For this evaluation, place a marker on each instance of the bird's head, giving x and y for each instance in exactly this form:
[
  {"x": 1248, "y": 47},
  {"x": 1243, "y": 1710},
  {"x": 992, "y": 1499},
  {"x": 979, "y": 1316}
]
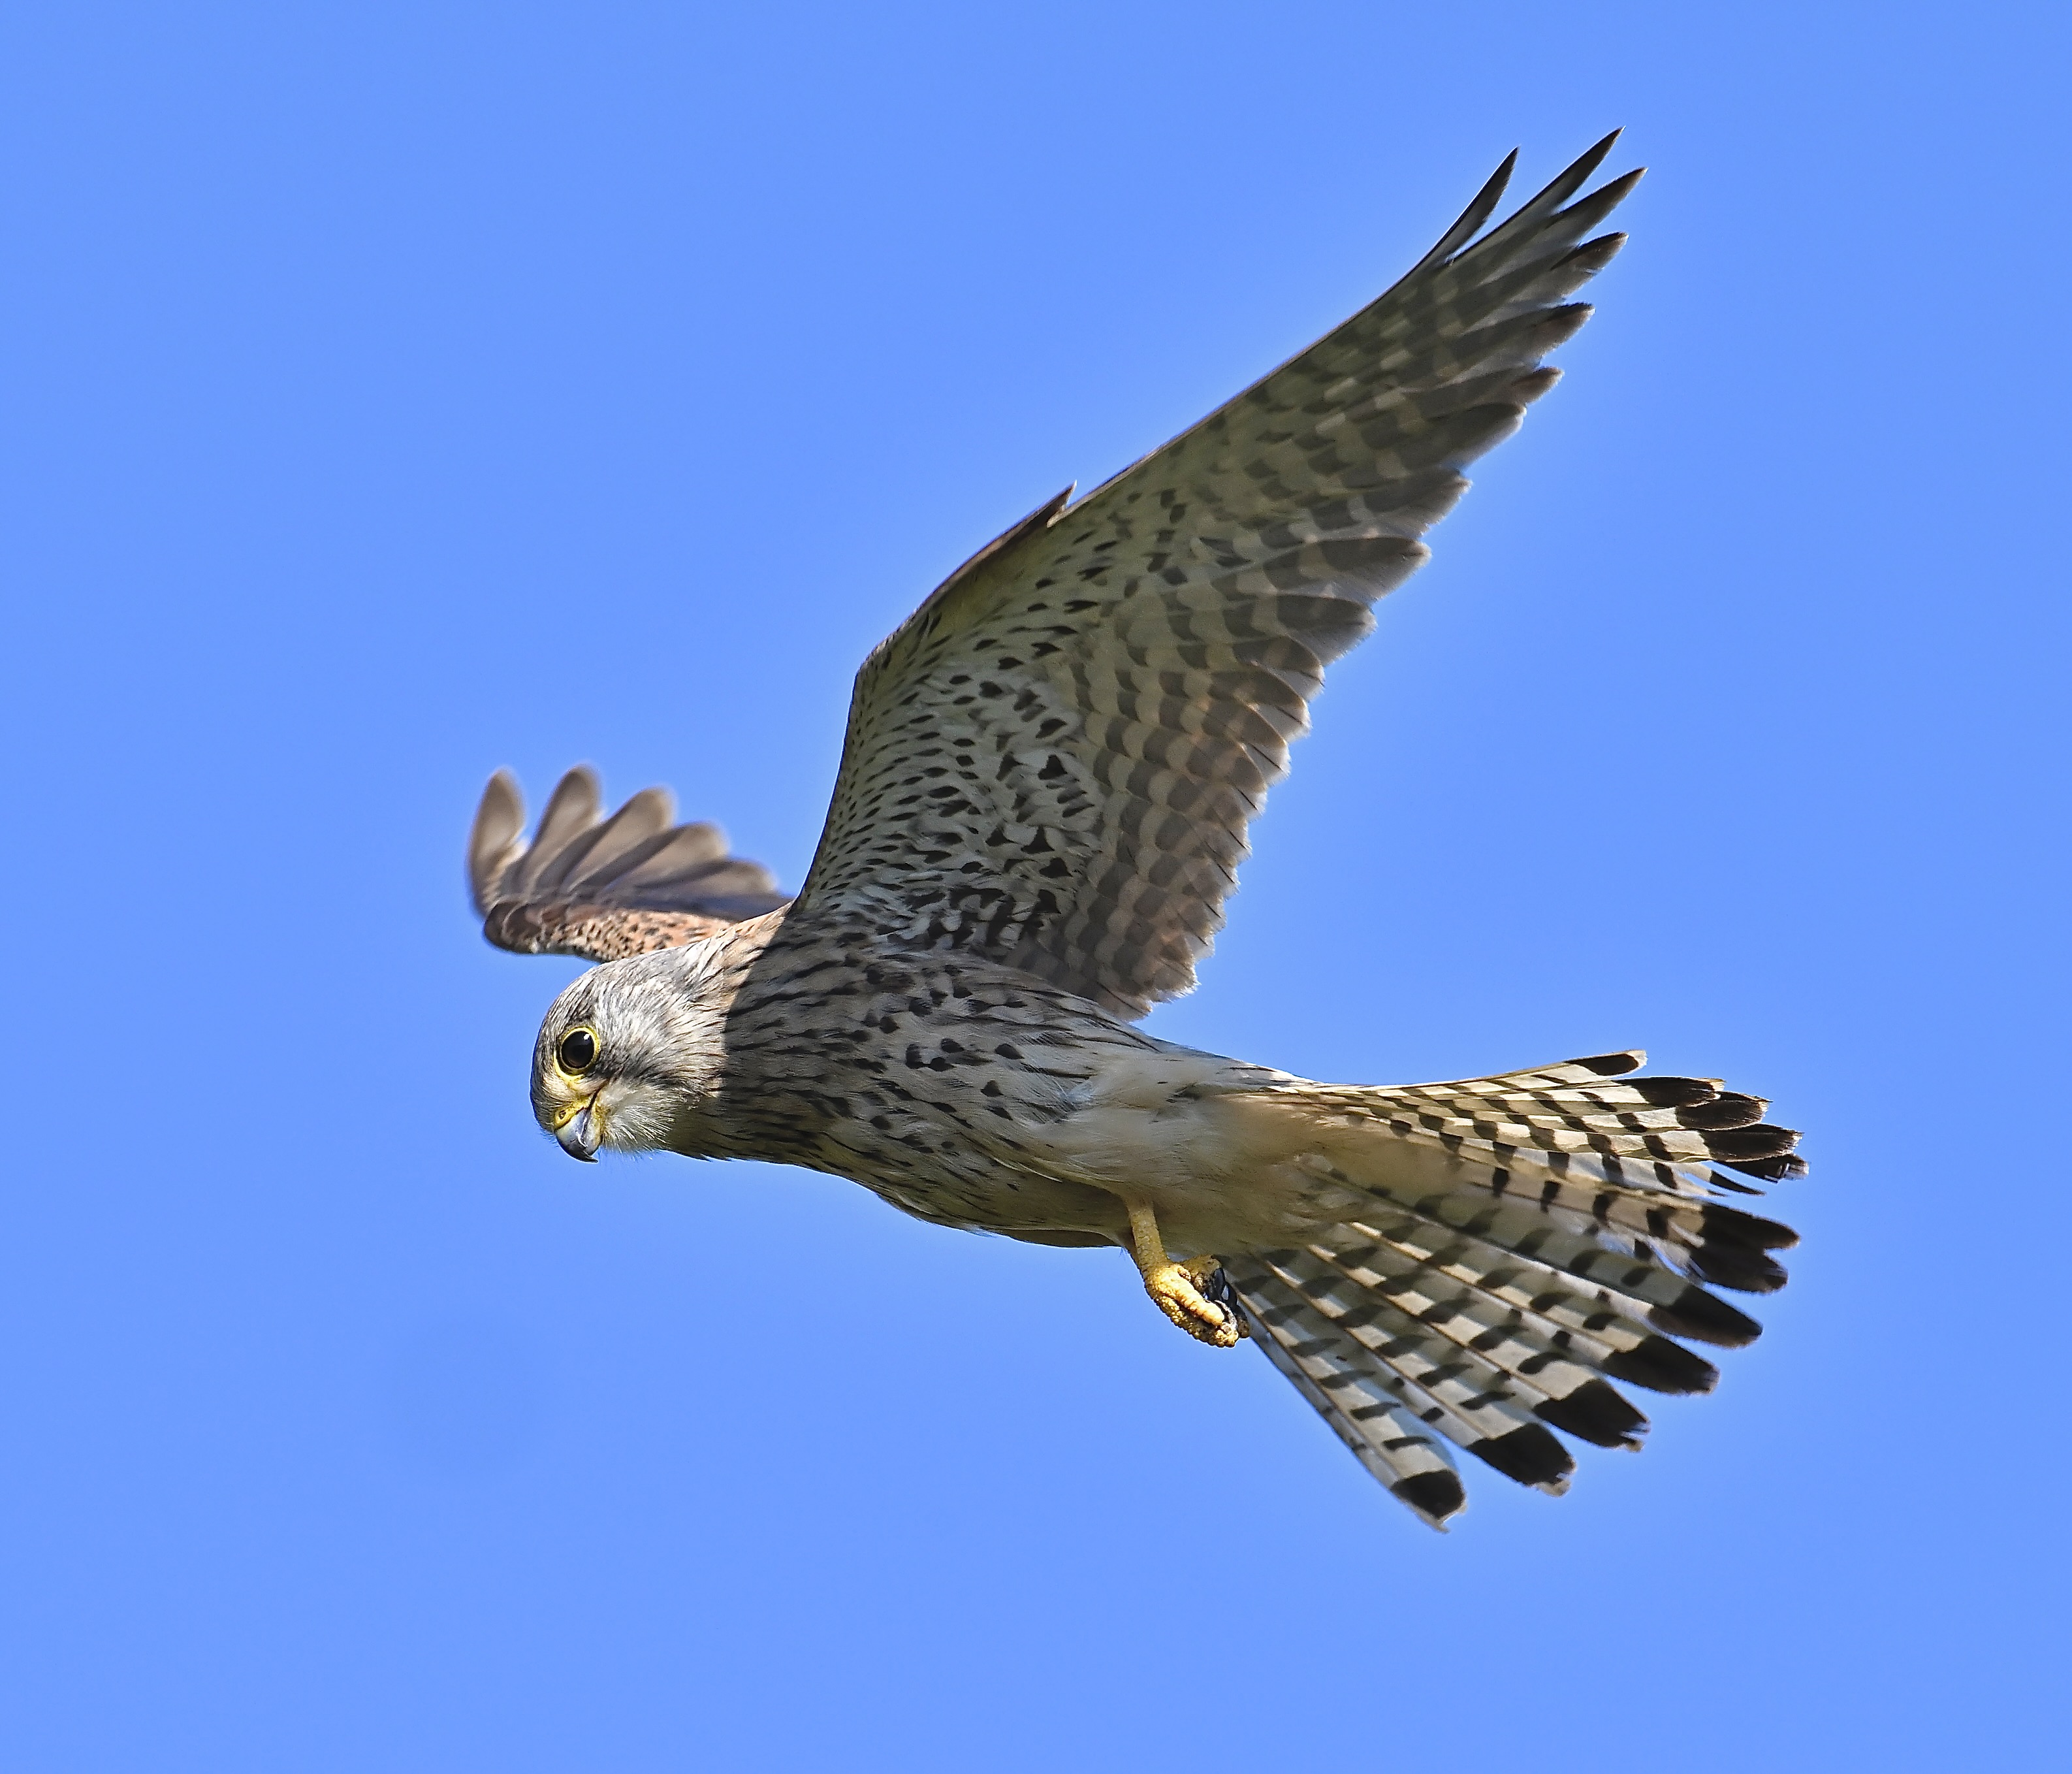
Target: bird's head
[{"x": 624, "y": 1055}]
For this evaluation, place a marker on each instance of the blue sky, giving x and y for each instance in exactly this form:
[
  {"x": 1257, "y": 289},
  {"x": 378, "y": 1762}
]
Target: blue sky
[{"x": 394, "y": 391}]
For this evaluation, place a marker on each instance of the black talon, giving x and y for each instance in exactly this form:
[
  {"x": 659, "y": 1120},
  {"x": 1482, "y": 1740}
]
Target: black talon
[{"x": 1218, "y": 1291}]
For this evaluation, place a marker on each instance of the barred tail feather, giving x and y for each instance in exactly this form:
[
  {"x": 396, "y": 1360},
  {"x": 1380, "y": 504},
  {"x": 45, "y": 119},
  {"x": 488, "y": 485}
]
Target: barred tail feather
[
  {"x": 1499, "y": 1350},
  {"x": 1384, "y": 1436},
  {"x": 1528, "y": 1239},
  {"x": 1378, "y": 1404}
]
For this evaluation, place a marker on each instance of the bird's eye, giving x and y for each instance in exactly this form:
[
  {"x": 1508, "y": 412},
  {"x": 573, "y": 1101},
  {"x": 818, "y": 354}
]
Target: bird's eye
[{"x": 578, "y": 1051}]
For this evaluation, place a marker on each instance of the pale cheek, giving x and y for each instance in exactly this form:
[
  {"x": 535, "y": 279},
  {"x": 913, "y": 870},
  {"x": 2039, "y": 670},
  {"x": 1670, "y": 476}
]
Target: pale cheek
[{"x": 637, "y": 1118}]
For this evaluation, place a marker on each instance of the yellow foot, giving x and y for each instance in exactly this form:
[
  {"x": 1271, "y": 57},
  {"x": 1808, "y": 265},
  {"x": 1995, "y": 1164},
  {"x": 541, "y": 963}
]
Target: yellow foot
[
  {"x": 1187, "y": 1294},
  {"x": 1195, "y": 1294}
]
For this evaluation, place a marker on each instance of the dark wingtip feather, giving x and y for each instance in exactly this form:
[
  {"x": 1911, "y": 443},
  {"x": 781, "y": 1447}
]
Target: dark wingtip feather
[
  {"x": 578, "y": 782},
  {"x": 1673, "y": 1092},
  {"x": 587, "y": 886},
  {"x": 651, "y": 808},
  {"x": 1745, "y": 1271},
  {"x": 512, "y": 925},
  {"x": 1728, "y": 1109},
  {"x": 1749, "y": 1231},
  {"x": 1722, "y": 1182},
  {"x": 1558, "y": 191},
  {"x": 1579, "y": 170},
  {"x": 1597, "y": 1413},
  {"x": 1783, "y": 1169},
  {"x": 572, "y": 809},
  {"x": 1739, "y": 1145},
  {"x": 1605, "y": 199},
  {"x": 1529, "y": 1453},
  {"x": 1591, "y": 256},
  {"x": 1699, "y": 1314},
  {"x": 1611, "y": 1065},
  {"x": 498, "y": 818},
  {"x": 1534, "y": 383},
  {"x": 1435, "y": 1496},
  {"x": 1471, "y": 219},
  {"x": 1662, "y": 1365},
  {"x": 1572, "y": 177},
  {"x": 1559, "y": 326}
]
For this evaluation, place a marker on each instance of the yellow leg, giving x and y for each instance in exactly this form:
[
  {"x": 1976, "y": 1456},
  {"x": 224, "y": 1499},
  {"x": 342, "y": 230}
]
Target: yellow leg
[{"x": 1176, "y": 1288}]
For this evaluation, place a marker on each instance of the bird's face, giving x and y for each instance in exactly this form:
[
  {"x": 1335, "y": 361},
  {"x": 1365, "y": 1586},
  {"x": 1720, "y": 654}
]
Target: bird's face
[{"x": 621, "y": 1056}]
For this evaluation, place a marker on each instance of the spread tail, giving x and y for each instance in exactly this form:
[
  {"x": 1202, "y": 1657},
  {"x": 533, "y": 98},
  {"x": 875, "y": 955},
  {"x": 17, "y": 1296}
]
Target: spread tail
[{"x": 1521, "y": 1241}]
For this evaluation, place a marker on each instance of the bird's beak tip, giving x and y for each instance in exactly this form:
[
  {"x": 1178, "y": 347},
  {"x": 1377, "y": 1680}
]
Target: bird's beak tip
[{"x": 582, "y": 1134}]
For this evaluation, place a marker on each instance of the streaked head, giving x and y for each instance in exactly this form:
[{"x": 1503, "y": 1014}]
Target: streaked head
[{"x": 624, "y": 1053}]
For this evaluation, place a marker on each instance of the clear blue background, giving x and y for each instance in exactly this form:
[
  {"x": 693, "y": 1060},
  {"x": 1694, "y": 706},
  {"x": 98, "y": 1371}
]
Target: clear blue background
[{"x": 395, "y": 391}]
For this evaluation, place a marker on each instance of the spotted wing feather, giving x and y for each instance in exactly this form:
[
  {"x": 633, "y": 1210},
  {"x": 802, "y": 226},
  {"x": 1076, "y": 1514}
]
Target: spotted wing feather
[
  {"x": 1054, "y": 760},
  {"x": 603, "y": 888}
]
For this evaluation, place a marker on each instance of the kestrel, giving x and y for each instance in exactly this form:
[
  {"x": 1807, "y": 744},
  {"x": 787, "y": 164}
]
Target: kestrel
[{"x": 1042, "y": 801}]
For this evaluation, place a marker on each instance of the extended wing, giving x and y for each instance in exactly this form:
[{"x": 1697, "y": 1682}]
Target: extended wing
[
  {"x": 1053, "y": 760},
  {"x": 603, "y": 888}
]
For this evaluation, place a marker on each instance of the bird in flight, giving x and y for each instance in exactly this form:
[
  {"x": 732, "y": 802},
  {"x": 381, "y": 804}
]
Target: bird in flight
[{"x": 1042, "y": 803}]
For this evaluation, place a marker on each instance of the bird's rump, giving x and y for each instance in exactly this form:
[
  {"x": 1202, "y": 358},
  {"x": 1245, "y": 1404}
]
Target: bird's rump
[{"x": 1053, "y": 762}]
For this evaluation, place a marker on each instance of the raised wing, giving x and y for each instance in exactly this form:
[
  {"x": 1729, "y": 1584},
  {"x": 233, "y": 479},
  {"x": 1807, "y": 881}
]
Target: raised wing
[
  {"x": 1053, "y": 762},
  {"x": 603, "y": 888}
]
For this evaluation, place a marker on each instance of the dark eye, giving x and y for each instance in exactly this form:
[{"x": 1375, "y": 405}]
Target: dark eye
[{"x": 578, "y": 1051}]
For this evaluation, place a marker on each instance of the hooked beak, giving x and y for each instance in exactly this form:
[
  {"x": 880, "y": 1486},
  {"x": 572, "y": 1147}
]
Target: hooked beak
[{"x": 583, "y": 1133}]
